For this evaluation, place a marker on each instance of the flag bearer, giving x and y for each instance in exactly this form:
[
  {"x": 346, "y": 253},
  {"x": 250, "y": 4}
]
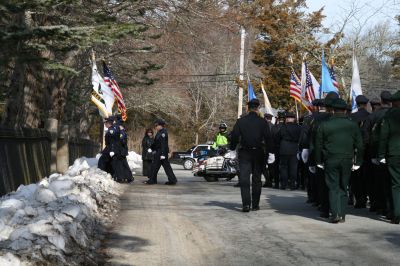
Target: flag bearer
[
  {"x": 338, "y": 150},
  {"x": 389, "y": 151}
]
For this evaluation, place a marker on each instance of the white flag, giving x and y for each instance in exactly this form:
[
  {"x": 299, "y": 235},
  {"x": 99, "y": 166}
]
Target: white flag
[
  {"x": 102, "y": 96},
  {"x": 316, "y": 87},
  {"x": 267, "y": 104},
  {"x": 355, "y": 88}
]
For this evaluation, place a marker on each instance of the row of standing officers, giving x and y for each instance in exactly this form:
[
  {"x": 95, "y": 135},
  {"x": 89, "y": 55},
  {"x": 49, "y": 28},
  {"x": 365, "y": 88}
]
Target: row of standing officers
[{"x": 341, "y": 155}]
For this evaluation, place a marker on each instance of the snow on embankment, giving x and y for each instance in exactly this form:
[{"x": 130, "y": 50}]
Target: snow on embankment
[{"x": 59, "y": 220}]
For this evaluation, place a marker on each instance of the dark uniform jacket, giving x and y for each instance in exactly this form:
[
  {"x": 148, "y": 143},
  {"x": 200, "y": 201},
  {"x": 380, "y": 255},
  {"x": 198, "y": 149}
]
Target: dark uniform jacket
[
  {"x": 360, "y": 117},
  {"x": 251, "y": 132},
  {"x": 371, "y": 131},
  {"x": 338, "y": 137},
  {"x": 289, "y": 135},
  {"x": 318, "y": 118},
  {"x": 160, "y": 144},
  {"x": 275, "y": 138},
  {"x": 124, "y": 142},
  {"x": 112, "y": 140},
  {"x": 389, "y": 143},
  {"x": 146, "y": 145}
]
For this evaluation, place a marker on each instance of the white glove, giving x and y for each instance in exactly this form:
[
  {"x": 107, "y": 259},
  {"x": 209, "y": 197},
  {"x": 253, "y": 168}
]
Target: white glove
[
  {"x": 304, "y": 155},
  {"x": 162, "y": 157},
  {"x": 320, "y": 166},
  {"x": 383, "y": 161},
  {"x": 271, "y": 158},
  {"x": 375, "y": 161},
  {"x": 112, "y": 154},
  {"x": 355, "y": 167},
  {"x": 312, "y": 169},
  {"x": 298, "y": 156},
  {"x": 149, "y": 150}
]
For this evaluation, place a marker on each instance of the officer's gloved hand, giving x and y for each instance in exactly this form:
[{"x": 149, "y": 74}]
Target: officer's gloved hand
[
  {"x": 271, "y": 158},
  {"x": 149, "y": 150},
  {"x": 383, "y": 161},
  {"x": 304, "y": 155},
  {"x": 112, "y": 154},
  {"x": 375, "y": 161},
  {"x": 320, "y": 166},
  {"x": 312, "y": 169},
  {"x": 162, "y": 157},
  {"x": 355, "y": 167}
]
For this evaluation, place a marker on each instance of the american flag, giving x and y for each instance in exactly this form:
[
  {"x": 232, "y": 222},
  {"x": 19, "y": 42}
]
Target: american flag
[
  {"x": 310, "y": 95},
  {"x": 112, "y": 83},
  {"x": 295, "y": 86},
  {"x": 333, "y": 76}
]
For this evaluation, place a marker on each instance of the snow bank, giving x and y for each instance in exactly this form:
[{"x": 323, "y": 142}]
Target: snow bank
[
  {"x": 134, "y": 160},
  {"x": 59, "y": 220}
]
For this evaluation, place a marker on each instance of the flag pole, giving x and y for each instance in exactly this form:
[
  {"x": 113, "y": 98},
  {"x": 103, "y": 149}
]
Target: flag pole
[
  {"x": 297, "y": 110},
  {"x": 241, "y": 70}
]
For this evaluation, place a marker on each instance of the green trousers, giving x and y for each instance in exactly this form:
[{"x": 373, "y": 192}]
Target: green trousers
[
  {"x": 394, "y": 170},
  {"x": 337, "y": 176}
]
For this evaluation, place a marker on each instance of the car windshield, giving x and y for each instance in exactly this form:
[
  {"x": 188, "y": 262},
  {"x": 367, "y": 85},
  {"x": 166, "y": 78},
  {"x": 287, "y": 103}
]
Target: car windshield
[{"x": 191, "y": 149}]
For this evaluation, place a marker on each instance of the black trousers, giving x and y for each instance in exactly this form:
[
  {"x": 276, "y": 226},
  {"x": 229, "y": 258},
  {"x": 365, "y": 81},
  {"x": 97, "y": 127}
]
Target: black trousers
[
  {"x": 323, "y": 191},
  {"x": 146, "y": 168},
  {"x": 155, "y": 167},
  {"x": 358, "y": 184},
  {"x": 105, "y": 162},
  {"x": 268, "y": 172},
  {"x": 251, "y": 163},
  {"x": 288, "y": 170}
]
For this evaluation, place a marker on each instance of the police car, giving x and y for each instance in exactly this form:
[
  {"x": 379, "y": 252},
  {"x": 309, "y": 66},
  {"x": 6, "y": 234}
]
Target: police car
[{"x": 189, "y": 157}]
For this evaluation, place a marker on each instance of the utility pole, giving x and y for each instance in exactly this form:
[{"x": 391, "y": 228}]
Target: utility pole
[{"x": 241, "y": 77}]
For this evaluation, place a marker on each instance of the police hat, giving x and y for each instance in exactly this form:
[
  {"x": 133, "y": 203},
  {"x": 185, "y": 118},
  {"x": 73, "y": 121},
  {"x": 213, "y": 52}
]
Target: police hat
[
  {"x": 253, "y": 103},
  {"x": 361, "y": 99},
  {"x": 281, "y": 114},
  {"x": 159, "y": 122},
  {"x": 318, "y": 102},
  {"x": 386, "y": 96},
  {"x": 109, "y": 119},
  {"x": 395, "y": 97},
  {"x": 330, "y": 97},
  {"x": 267, "y": 115},
  {"x": 290, "y": 115},
  {"x": 338, "y": 104},
  {"x": 375, "y": 101}
]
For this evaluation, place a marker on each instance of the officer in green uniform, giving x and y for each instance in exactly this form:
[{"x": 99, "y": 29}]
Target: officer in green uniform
[
  {"x": 338, "y": 142},
  {"x": 389, "y": 151},
  {"x": 221, "y": 139}
]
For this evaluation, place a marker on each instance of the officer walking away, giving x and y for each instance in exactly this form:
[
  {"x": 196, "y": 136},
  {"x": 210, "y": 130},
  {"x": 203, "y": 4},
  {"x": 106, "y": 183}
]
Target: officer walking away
[
  {"x": 147, "y": 157},
  {"x": 338, "y": 150},
  {"x": 254, "y": 136},
  {"x": 108, "y": 152},
  {"x": 358, "y": 179},
  {"x": 289, "y": 135},
  {"x": 122, "y": 171},
  {"x": 389, "y": 151},
  {"x": 268, "y": 169},
  {"x": 161, "y": 150}
]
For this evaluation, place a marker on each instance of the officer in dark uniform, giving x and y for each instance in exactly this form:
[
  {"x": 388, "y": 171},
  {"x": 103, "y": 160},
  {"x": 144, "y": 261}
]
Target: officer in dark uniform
[
  {"x": 289, "y": 135},
  {"x": 120, "y": 163},
  {"x": 358, "y": 179},
  {"x": 389, "y": 151},
  {"x": 111, "y": 141},
  {"x": 381, "y": 189},
  {"x": 160, "y": 149},
  {"x": 254, "y": 136},
  {"x": 274, "y": 166},
  {"x": 337, "y": 140},
  {"x": 268, "y": 169}
]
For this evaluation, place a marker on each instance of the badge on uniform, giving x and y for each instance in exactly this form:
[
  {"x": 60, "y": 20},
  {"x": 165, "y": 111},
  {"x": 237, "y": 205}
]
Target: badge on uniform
[
  {"x": 111, "y": 131},
  {"x": 163, "y": 135}
]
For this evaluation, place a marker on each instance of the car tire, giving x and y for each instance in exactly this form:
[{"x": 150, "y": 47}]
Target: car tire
[{"x": 188, "y": 164}]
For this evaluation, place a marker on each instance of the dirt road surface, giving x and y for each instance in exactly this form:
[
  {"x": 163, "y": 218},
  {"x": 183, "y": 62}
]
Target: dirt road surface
[{"x": 200, "y": 223}]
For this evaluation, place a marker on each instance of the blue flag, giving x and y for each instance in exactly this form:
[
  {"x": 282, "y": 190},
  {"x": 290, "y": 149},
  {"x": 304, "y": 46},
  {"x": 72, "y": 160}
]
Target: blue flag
[
  {"x": 251, "y": 93},
  {"x": 326, "y": 79}
]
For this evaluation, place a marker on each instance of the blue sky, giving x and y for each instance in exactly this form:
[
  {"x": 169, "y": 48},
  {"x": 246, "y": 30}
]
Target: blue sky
[{"x": 369, "y": 12}]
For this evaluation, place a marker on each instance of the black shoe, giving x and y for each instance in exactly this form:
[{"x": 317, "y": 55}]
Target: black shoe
[
  {"x": 324, "y": 215},
  {"x": 149, "y": 182},
  {"x": 342, "y": 220},
  {"x": 246, "y": 209},
  {"x": 395, "y": 220},
  {"x": 360, "y": 206},
  {"x": 237, "y": 185},
  {"x": 257, "y": 208},
  {"x": 372, "y": 209},
  {"x": 334, "y": 220},
  {"x": 169, "y": 183}
]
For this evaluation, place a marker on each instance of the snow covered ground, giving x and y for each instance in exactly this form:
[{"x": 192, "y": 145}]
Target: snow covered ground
[{"x": 60, "y": 220}]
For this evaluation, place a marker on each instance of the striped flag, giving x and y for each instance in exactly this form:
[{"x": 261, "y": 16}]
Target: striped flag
[
  {"x": 309, "y": 88},
  {"x": 333, "y": 76},
  {"x": 295, "y": 86},
  {"x": 112, "y": 83}
]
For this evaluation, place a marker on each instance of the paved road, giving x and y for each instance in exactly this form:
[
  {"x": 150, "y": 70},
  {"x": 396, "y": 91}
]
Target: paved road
[{"x": 200, "y": 223}]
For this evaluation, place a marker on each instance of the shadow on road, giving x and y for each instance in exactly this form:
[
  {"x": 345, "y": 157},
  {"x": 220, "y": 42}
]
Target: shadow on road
[
  {"x": 227, "y": 205},
  {"x": 129, "y": 243}
]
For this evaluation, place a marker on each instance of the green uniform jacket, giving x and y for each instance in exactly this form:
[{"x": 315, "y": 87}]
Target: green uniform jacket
[
  {"x": 339, "y": 137},
  {"x": 389, "y": 139},
  {"x": 221, "y": 139}
]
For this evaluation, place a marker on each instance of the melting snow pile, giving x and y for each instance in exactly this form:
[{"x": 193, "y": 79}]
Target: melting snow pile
[
  {"x": 58, "y": 221},
  {"x": 134, "y": 160}
]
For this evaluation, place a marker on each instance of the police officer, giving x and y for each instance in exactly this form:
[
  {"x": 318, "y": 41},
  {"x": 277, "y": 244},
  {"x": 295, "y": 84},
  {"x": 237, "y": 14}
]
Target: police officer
[
  {"x": 221, "y": 139},
  {"x": 358, "y": 179},
  {"x": 160, "y": 149},
  {"x": 381, "y": 190},
  {"x": 268, "y": 169},
  {"x": 111, "y": 141},
  {"x": 337, "y": 140},
  {"x": 273, "y": 165},
  {"x": 288, "y": 136},
  {"x": 120, "y": 163},
  {"x": 389, "y": 151},
  {"x": 253, "y": 134}
]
